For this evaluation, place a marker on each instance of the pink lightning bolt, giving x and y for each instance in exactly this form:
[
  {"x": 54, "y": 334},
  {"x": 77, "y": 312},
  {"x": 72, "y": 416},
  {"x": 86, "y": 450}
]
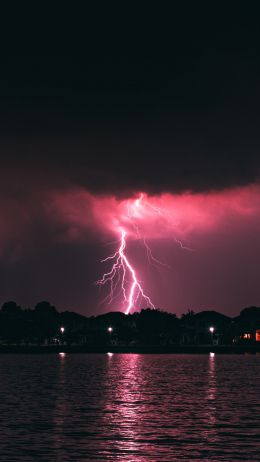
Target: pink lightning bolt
[{"x": 121, "y": 269}]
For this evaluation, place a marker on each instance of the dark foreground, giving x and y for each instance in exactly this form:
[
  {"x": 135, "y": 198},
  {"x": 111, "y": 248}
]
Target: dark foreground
[
  {"x": 176, "y": 349},
  {"x": 130, "y": 407}
]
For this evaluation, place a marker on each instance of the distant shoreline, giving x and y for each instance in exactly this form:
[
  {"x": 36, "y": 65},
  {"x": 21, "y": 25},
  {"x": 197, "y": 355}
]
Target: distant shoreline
[{"x": 183, "y": 349}]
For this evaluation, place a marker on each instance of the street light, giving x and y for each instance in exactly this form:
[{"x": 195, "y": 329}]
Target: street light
[
  {"x": 212, "y": 330},
  {"x": 110, "y": 330},
  {"x": 62, "y": 330}
]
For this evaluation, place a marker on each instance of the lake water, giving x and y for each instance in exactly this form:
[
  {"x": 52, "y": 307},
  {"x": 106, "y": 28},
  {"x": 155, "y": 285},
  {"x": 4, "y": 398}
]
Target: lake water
[{"x": 129, "y": 407}]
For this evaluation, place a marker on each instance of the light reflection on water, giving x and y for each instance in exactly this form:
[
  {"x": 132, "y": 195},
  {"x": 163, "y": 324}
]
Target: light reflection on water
[{"x": 134, "y": 408}]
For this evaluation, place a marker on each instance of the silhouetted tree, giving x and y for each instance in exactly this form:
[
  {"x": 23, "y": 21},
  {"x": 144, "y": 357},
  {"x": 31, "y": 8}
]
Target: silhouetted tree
[
  {"x": 148, "y": 327},
  {"x": 45, "y": 308},
  {"x": 11, "y": 308},
  {"x": 249, "y": 319},
  {"x": 157, "y": 327},
  {"x": 11, "y": 323},
  {"x": 46, "y": 321}
]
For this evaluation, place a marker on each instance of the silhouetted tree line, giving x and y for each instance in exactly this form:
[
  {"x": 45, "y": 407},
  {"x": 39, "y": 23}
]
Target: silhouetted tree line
[{"x": 45, "y": 325}]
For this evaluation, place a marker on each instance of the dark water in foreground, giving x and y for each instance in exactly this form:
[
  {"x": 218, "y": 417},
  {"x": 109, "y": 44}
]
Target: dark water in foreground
[{"x": 129, "y": 408}]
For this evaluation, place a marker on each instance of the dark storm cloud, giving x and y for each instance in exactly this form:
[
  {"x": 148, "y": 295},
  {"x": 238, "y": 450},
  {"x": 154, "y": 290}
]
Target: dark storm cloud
[
  {"x": 151, "y": 158},
  {"x": 163, "y": 103}
]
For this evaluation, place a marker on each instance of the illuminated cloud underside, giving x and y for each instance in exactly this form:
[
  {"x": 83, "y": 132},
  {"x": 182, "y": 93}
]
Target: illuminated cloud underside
[{"x": 148, "y": 219}]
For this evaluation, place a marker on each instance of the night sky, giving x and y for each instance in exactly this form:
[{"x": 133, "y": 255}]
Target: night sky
[{"x": 105, "y": 106}]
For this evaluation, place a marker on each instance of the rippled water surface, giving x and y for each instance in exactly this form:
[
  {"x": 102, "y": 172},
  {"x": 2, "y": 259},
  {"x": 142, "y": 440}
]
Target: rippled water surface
[{"x": 129, "y": 407}]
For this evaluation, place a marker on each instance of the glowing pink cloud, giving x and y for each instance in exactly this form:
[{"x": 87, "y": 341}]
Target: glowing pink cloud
[
  {"x": 167, "y": 216},
  {"x": 187, "y": 250},
  {"x": 148, "y": 219}
]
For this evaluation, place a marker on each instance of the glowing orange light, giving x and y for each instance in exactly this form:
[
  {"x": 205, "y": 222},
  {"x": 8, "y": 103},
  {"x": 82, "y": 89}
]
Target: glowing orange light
[{"x": 247, "y": 335}]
